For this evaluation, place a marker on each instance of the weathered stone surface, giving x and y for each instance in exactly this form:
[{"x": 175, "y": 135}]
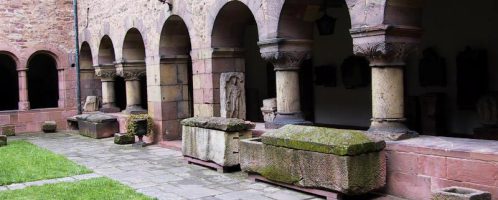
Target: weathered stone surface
[
  {"x": 91, "y": 104},
  {"x": 324, "y": 140},
  {"x": 97, "y": 125},
  {"x": 269, "y": 109},
  {"x": 346, "y": 174},
  {"x": 232, "y": 95},
  {"x": 49, "y": 126},
  {"x": 8, "y": 130},
  {"x": 459, "y": 193},
  {"x": 121, "y": 138},
  {"x": 3, "y": 140},
  {"x": 217, "y": 123},
  {"x": 217, "y": 146}
]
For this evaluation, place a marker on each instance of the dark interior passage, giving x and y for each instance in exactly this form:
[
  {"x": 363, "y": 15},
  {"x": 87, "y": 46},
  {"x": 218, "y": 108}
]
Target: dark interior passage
[
  {"x": 143, "y": 92},
  {"x": 43, "y": 83},
  {"x": 9, "y": 83},
  {"x": 120, "y": 92}
]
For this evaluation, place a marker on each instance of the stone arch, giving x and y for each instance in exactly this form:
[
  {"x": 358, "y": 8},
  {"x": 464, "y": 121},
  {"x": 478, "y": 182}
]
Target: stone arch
[
  {"x": 175, "y": 37},
  {"x": 106, "y": 54},
  {"x": 228, "y": 30},
  {"x": 43, "y": 80},
  {"x": 9, "y": 81},
  {"x": 90, "y": 84},
  {"x": 133, "y": 47}
]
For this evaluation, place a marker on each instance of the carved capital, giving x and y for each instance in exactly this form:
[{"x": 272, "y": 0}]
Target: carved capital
[
  {"x": 131, "y": 74},
  {"x": 285, "y": 60},
  {"x": 385, "y": 54},
  {"x": 105, "y": 72}
]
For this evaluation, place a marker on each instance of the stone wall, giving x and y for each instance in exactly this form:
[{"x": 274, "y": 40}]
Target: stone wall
[{"x": 29, "y": 28}]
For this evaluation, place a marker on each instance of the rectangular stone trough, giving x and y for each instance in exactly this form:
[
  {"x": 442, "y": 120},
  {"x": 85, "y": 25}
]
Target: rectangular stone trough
[
  {"x": 97, "y": 125},
  {"x": 343, "y": 161},
  {"x": 214, "y": 139}
]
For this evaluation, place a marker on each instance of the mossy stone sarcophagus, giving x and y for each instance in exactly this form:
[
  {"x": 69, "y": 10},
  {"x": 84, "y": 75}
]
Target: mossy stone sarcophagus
[
  {"x": 214, "y": 139},
  {"x": 344, "y": 161}
]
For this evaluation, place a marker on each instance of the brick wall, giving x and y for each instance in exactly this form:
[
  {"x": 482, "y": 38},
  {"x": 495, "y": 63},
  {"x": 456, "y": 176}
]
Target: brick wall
[{"x": 28, "y": 27}]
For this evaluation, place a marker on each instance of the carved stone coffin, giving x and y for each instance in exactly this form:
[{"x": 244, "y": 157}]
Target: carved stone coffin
[
  {"x": 97, "y": 125},
  {"x": 214, "y": 139},
  {"x": 344, "y": 161}
]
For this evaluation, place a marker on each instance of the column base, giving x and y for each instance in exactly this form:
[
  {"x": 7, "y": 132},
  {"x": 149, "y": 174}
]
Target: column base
[
  {"x": 109, "y": 109},
  {"x": 390, "y": 130},
  {"x": 134, "y": 110},
  {"x": 282, "y": 119},
  {"x": 24, "y": 105}
]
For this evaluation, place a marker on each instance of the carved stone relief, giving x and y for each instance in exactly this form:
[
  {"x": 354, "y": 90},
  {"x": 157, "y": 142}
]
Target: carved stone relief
[{"x": 233, "y": 97}]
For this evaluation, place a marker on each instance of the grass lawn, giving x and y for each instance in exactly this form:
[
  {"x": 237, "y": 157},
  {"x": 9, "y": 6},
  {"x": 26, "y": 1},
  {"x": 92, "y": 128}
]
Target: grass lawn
[
  {"x": 21, "y": 161},
  {"x": 97, "y": 188}
]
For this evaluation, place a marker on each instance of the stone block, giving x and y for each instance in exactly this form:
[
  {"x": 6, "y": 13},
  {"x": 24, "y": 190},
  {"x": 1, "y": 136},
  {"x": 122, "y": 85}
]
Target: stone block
[
  {"x": 217, "y": 146},
  {"x": 460, "y": 193},
  {"x": 98, "y": 125},
  {"x": 217, "y": 123},
  {"x": 325, "y": 140},
  {"x": 357, "y": 174},
  {"x": 8, "y": 130},
  {"x": 3, "y": 140},
  {"x": 122, "y": 138},
  {"x": 49, "y": 127},
  {"x": 232, "y": 95}
]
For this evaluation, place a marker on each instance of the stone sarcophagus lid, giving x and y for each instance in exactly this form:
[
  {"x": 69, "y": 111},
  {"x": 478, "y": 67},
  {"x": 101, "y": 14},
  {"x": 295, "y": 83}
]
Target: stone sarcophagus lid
[
  {"x": 343, "y": 161},
  {"x": 97, "y": 125},
  {"x": 214, "y": 139}
]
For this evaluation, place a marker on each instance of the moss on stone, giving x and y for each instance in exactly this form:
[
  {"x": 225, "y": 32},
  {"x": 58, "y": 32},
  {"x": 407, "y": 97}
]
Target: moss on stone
[
  {"x": 276, "y": 174},
  {"x": 324, "y": 140},
  {"x": 217, "y": 123}
]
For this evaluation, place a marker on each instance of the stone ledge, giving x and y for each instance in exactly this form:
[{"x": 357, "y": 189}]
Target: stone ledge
[
  {"x": 217, "y": 123},
  {"x": 323, "y": 140}
]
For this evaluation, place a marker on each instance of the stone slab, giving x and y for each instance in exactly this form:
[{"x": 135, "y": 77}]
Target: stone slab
[
  {"x": 350, "y": 175},
  {"x": 49, "y": 127},
  {"x": 97, "y": 118},
  {"x": 218, "y": 123},
  {"x": 98, "y": 130},
  {"x": 3, "y": 140},
  {"x": 460, "y": 193},
  {"x": 216, "y": 146},
  {"x": 324, "y": 140}
]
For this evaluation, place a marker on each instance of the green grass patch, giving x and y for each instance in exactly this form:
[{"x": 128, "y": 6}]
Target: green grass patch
[
  {"x": 21, "y": 161},
  {"x": 97, "y": 188}
]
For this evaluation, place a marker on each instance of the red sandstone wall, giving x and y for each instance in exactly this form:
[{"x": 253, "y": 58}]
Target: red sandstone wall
[{"x": 26, "y": 27}]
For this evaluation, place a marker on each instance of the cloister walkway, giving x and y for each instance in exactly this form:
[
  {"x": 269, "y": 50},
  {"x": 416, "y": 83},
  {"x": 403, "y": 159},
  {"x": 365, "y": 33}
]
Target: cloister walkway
[{"x": 156, "y": 171}]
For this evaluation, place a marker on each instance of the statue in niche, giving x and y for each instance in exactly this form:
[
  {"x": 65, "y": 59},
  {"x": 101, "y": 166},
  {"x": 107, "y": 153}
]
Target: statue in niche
[
  {"x": 432, "y": 69},
  {"x": 355, "y": 71},
  {"x": 472, "y": 77},
  {"x": 233, "y": 98}
]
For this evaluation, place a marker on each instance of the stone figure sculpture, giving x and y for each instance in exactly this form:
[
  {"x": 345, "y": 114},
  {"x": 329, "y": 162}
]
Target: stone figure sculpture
[{"x": 232, "y": 98}]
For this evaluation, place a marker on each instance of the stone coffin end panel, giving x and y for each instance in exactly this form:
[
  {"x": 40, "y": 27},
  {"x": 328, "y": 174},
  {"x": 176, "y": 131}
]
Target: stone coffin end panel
[
  {"x": 218, "y": 123},
  {"x": 324, "y": 140},
  {"x": 346, "y": 174},
  {"x": 216, "y": 146}
]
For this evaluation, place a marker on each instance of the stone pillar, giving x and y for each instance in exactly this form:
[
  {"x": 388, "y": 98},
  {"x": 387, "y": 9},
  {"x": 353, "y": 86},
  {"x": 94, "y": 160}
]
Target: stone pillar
[
  {"x": 23, "y": 89},
  {"x": 387, "y": 60},
  {"x": 107, "y": 74},
  {"x": 286, "y": 56},
  {"x": 131, "y": 72},
  {"x": 62, "y": 88}
]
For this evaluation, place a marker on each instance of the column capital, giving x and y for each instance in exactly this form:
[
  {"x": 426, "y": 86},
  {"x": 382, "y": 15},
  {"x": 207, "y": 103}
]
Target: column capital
[
  {"x": 131, "y": 70},
  {"x": 105, "y": 72},
  {"x": 285, "y": 54},
  {"x": 385, "y": 54}
]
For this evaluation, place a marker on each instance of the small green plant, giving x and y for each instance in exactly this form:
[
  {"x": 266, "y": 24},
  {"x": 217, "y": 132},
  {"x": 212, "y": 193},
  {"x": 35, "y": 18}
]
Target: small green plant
[{"x": 130, "y": 128}]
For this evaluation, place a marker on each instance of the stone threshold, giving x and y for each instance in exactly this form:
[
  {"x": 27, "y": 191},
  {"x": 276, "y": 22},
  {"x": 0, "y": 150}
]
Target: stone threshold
[
  {"x": 18, "y": 186},
  {"x": 484, "y": 150}
]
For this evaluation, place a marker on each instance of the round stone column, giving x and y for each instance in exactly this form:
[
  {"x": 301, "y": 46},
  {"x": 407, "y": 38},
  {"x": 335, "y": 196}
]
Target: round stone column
[
  {"x": 107, "y": 76},
  {"x": 286, "y": 56},
  {"x": 23, "y": 89},
  {"x": 387, "y": 62},
  {"x": 132, "y": 72}
]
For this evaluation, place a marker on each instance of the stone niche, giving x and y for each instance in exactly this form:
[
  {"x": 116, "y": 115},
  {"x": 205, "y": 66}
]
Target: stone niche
[
  {"x": 97, "y": 125},
  {"x": 233, "y": 95},
  {"x": 214, "y": 139},
  {"x": 343, "y": 161}
]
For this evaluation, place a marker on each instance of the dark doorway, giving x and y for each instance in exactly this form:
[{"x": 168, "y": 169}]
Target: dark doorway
[
  {"x": 9, "y": 83},
  {"x": 43, "y": 82},
  {"x": 120, "y": 92},
  {"x": 143, "y": 92}
]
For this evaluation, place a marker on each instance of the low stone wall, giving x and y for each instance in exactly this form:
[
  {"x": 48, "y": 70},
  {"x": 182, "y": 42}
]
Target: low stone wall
[
  {"x": 418, "y": 166},
  {"x": 32, "y": 120}
]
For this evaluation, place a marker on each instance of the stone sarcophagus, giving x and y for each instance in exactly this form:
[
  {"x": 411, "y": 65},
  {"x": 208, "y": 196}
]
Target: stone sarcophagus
[
  {"x": 214, "y": 139},
  {"x": 97, "y": 125},
  {"x": 343, "y": 161}
]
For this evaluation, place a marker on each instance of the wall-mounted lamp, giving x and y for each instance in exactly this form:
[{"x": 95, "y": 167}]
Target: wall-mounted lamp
[{"x": 326, "y": 24}]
